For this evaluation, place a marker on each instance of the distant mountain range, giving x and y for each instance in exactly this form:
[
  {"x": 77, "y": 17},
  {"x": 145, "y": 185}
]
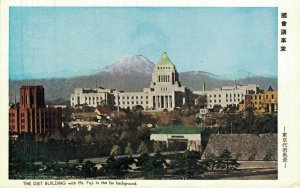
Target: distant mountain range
[{"x": 133, "y": 74}]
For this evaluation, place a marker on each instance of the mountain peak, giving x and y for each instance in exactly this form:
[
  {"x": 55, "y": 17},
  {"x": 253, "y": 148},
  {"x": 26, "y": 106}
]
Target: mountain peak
[{"x": 128, "y": 65}]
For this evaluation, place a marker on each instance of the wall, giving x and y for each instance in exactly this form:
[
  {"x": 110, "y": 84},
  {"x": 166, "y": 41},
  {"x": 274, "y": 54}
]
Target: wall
[{"x": 243, "y": 146}]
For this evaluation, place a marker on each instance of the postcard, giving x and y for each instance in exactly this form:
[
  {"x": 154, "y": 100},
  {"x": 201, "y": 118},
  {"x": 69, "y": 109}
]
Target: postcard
[{"x": 148, "y": 94}]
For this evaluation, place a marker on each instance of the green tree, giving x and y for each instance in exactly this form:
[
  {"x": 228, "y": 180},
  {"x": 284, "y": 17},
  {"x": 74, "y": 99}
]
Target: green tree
[
  {"x": 88, "y": 169},
  {"x": 142, "y": 148},
  {"x": 128, "y": 149},
  {"x": 227, "y": 161},
  {"x": 115, "y": 150},
  {"x": 152, "y": 167},
  {"x": 117, "y": 167},
  {"x": 211, "y": 161},
  {"x": 188, "y": 165},
  {"x": 157, "y": 147}
]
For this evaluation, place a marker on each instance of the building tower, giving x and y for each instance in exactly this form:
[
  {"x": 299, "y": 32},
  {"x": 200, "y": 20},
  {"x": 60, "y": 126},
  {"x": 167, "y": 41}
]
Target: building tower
[{"x": 32, "y": 114}]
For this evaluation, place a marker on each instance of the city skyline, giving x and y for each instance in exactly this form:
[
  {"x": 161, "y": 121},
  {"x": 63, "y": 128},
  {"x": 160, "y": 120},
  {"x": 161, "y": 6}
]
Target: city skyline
[{"x": 55, "y": 42}]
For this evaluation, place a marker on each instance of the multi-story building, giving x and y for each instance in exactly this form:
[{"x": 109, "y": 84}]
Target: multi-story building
[
  {"x": 32, "y": 115},
  {"x": 92, "y": 97},
  {"x": 262, "y": 102},
  {"x": 165, "y": 92},
  {"x": 227, "y": 95}
]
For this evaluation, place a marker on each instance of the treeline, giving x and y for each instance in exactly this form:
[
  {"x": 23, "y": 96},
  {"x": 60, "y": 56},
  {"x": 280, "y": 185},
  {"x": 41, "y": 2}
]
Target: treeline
[
  {"x": 246, "y": 122},
  {"x": 183, "y": 166}
]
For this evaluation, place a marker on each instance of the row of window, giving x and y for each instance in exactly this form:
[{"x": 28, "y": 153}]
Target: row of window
[
  {"x": 132, "y": 97},
  {"x": 260, "y": 97},
  {"x": 163, "y": 68},
  {"x": 133, "y": 102},
  {"x": 227, "y": 95},
  {"x": 227, "y": 100},
  {"x": 163, "y": 78}
]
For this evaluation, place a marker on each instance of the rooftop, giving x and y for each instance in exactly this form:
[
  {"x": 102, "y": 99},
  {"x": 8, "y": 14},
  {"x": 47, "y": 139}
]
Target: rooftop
[
  {"x": 178, "y": 130},
  {"x": 165, "y": 60}
]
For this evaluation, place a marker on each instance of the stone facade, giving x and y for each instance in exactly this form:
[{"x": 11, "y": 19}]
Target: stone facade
[
  {"x": 261, "y": 102},
  {"x": 227, "y": 95},
  {"x": 243, "y": 146},
  {"x": 165, "y": 92},
  {"x": 92, "y": 97}
]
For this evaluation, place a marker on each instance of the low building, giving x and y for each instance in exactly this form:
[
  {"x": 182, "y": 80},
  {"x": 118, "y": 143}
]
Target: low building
[
  {"x": 189, "y": 137},
  {"x": 92, "y": 97},
  {"x": 227, "y": 95},
  {"x": 262, "y": 102}
]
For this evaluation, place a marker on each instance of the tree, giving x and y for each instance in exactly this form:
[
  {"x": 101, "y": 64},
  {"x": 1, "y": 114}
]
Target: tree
[
  {"x": 157, "y": 147},
  {"x": 151, "y": 167},
  {"x": 88, "y": 169},
  {"x": 142, "y": 148},
  {"x": 211, "y": 161},
  {"x": 128, "y": 149},
  {"x": 115, "y": 150},
  {"x": 188, "y": 164},
  {"x": 117, "y": 168},
  {"x": 144, "y": 133},
  {"x": 227, "y": 161}
]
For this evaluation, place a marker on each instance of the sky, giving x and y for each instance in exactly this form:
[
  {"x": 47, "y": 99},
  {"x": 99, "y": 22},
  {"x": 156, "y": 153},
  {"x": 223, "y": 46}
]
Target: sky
[{"x": 49, "y": 42}]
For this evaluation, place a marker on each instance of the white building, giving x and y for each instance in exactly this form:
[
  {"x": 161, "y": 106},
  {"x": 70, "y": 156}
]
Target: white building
[
  {"x": 190, "y": 136},
  {"x": 227, "y": 95},
  {"x": 92, "y": 97},
  {"x": 165, "y": 91}
]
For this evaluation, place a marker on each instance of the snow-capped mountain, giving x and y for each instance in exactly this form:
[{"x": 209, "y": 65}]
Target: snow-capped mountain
[{"x": 130, "y": 65}]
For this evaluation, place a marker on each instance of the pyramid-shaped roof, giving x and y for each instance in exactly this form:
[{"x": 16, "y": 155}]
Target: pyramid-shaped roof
[{"x": 164, "y": 60}]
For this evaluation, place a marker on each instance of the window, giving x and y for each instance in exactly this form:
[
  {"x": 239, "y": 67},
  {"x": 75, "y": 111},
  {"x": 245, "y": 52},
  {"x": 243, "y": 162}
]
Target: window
[
  {"x": 219, "y": 95},
  {"x": 272, "y": 96},
  {"x": 215, "y": 95},
  {"x": 146, "y": 97}
]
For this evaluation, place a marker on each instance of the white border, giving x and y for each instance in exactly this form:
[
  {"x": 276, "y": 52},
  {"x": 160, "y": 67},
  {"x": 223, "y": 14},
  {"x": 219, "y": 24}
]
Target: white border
[{"x": 289, "y": 75}]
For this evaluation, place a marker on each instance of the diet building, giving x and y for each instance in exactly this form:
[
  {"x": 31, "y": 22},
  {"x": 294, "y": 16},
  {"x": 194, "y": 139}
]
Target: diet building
[{"x": 165, "y": 92}]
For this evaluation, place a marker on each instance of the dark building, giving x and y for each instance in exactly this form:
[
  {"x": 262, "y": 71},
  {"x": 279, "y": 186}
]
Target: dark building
[{"x": 32, "y": 115}]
